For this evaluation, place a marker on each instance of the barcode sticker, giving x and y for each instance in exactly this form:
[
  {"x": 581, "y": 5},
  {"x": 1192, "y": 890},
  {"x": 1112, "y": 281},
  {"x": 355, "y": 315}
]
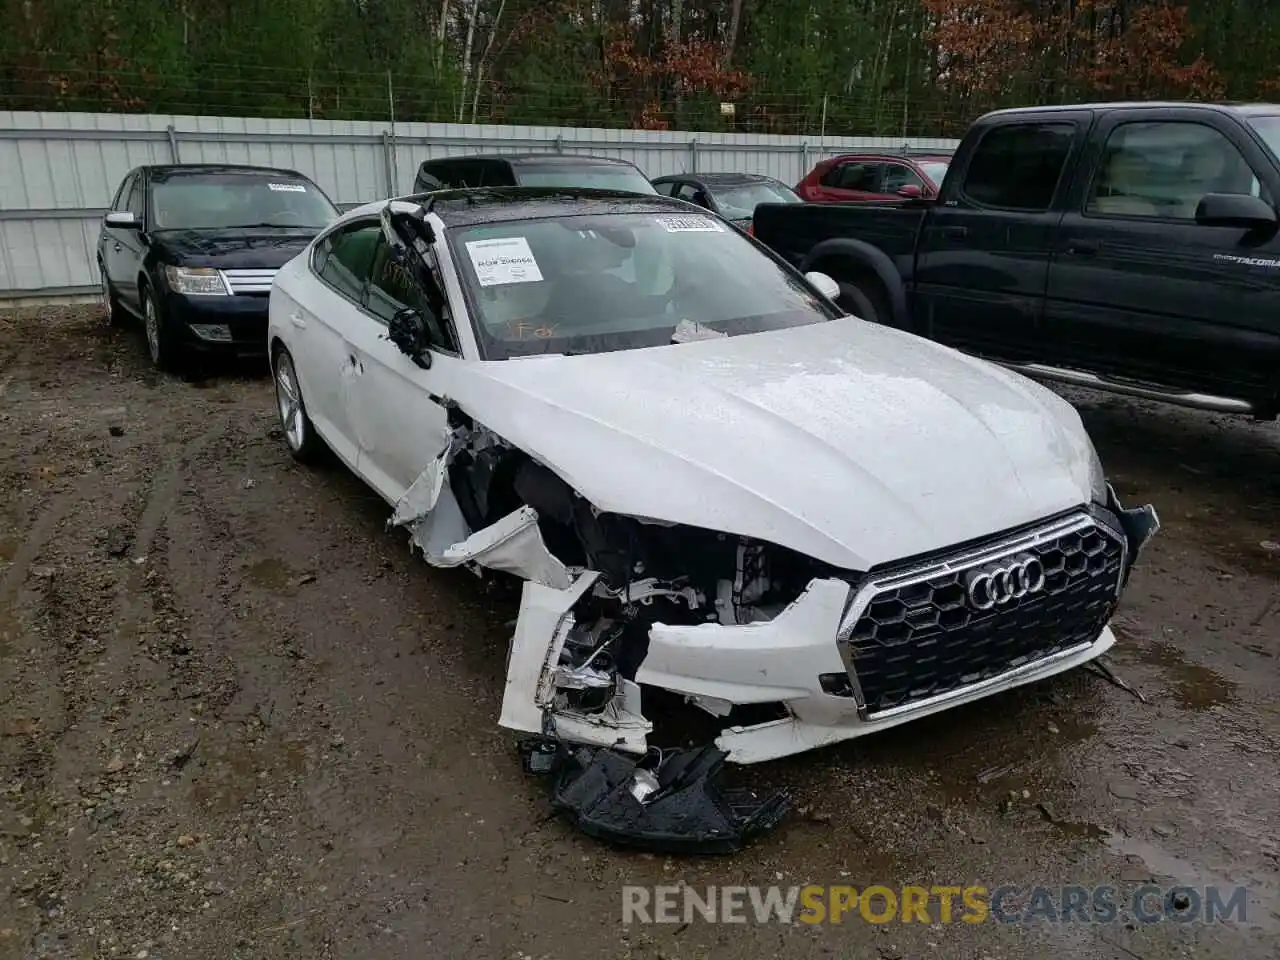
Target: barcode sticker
[
  {"x": 503, "y": 260},
  {"x": 690, "y": 224}
]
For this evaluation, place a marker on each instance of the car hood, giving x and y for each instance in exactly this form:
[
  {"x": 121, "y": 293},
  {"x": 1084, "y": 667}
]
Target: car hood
[
  {"x": 849, "y": 442},
  {"x": 257, "y": 248}
]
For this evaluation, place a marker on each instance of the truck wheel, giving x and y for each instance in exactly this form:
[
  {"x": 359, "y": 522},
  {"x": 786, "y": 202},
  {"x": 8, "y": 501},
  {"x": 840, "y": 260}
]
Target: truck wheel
[{"x": 857, "y": 302}]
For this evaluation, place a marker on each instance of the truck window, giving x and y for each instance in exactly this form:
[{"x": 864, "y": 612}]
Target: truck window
[
  {"x": 1162, "y": 169},
  {"x": 1018, "y": 166}
]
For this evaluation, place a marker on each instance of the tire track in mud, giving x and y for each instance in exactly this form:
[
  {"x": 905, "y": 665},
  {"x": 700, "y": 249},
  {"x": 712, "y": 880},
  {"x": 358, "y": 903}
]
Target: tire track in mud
[
  {"x": 132, "y": 597},
  {"x": 41, "y": 532}
]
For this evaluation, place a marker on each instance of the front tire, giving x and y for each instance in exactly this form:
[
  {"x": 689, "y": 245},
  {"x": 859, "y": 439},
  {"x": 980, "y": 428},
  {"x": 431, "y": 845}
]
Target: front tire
[
  {"x": 299, "y": 434},
  {"x": 165, "y": 354}
]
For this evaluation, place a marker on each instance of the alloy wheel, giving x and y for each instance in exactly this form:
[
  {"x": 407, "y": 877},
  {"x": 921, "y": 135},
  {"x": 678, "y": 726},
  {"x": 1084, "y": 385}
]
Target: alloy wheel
[
  {"x": 289, "y": 403},
  {"x": 152, "y": 323}
]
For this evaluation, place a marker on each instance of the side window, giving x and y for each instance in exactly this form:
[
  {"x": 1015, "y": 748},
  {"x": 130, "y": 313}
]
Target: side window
[
  {"x": 693, "y": 194},
  {"x": 133, "y": 202},
  {"x": 898, "y": 175},
  {"x": 864, "y": 177},
  {"x": 120, "y": 202},
  {"x": 832, "y": 176},
  {"x": 1017, "y": 167},
  {"x": 1162, "y": 169},
  {"x": 667, "y": 189},
  {"x": 391, "y": 289},
  {"x": 345, "y": 257}
]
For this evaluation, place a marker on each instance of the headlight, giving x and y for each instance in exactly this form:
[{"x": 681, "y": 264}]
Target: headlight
[{"x": 196, "y": 281}]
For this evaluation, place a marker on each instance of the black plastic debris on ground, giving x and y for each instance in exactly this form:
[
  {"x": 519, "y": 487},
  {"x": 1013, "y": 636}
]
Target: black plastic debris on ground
[{"x": 673, "y": 806}]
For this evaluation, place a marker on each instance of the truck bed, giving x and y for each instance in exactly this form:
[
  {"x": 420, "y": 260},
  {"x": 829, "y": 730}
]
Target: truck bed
[{"x": 793, "y": 230}]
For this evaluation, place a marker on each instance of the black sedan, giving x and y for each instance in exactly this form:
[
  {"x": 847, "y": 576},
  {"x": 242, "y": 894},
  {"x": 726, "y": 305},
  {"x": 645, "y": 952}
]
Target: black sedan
[
  {"x": 192, "y": 250},
  {"x": 732, "y": 195}
]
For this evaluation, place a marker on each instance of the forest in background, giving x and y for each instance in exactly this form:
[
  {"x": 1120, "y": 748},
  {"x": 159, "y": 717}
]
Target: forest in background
[{"x": 849, "y": 67}]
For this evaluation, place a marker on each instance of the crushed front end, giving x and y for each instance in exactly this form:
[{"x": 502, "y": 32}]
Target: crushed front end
[{"x": 789, "y": 653}]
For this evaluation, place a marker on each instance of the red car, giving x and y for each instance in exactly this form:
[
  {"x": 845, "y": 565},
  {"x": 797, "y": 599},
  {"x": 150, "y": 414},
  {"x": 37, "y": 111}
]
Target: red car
[{"x": 874, "y": 177}]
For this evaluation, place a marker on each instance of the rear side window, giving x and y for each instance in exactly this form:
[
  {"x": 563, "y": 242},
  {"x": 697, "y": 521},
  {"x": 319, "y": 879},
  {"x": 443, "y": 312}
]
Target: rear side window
[
  {"x": 1017, "y": 167},
  {"x": 864, "y": 177}
]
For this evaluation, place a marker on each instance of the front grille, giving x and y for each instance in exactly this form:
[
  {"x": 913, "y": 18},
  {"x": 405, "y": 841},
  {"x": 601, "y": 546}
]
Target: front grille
[
  {"x": 918, "y": 635},
  {"x": 249, "y": 281}
]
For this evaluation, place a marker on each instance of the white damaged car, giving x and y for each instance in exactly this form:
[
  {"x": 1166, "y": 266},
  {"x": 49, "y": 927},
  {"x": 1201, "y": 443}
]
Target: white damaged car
[{"x": 712, "y": 481}]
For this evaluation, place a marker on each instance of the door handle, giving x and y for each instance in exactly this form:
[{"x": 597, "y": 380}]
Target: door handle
[
  {"x": 297, "y": 321},
  {"x": 1082, "y": 248},
  {"x": 118, "y": 248},
  {"x": 955, "y": 233},
  {"x": 355, "y": 364}
]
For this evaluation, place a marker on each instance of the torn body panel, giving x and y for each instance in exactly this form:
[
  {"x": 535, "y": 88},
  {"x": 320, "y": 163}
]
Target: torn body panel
[
  {"x": 438, "y": 527},
  {"x": 545, "y": 696}
]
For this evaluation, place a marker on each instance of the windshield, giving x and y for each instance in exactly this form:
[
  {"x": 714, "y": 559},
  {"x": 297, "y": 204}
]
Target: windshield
[
  {"x": 593, "y": 284},
  {"x": 1268, "y": 128},
  {"x": 935, "y": 170},
  {"x": 228, "y": 201},
  {"x": 738, "y": 201},
  {"x": 594, "y": 177}
]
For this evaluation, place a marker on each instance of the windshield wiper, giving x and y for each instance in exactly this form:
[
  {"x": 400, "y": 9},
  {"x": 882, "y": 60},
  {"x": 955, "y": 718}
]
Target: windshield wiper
[{"x": 273, "y": 226}]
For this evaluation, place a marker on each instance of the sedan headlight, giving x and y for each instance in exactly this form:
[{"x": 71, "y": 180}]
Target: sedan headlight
[{"x": 196, "y": 281}]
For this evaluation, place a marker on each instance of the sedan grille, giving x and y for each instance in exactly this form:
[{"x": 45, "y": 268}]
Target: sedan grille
[
  {"x": 923, "y": 632},
  {"x": 249, "y": 281}
]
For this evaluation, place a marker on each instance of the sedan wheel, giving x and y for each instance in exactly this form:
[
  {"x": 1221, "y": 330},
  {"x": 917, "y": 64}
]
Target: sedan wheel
[
  {"x": 151, "y": 323},
  {"x": 294, "y": 422},
  {"x": 110, "y": 305}
]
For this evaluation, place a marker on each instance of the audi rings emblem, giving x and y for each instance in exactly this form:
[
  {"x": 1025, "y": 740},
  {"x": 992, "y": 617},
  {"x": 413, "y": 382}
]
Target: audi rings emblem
[{"x": 990, "y": 587}]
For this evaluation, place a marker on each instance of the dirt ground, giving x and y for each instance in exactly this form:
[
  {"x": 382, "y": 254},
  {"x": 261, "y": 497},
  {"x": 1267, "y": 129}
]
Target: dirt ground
[{"x": 239, "y": 719}]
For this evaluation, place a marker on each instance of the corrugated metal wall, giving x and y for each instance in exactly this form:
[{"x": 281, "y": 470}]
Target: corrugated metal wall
[{"x": 61, "y": 170}]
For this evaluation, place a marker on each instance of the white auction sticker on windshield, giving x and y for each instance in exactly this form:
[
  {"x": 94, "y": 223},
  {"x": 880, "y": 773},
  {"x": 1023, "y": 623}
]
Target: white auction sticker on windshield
[
  {"x": 692, "y": 224},
  {"x": 287, "y": 187},
  {"x": 503, "y": 260}
]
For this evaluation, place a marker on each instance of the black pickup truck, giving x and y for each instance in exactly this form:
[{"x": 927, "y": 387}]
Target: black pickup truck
[{"x": 1128, "y": 247}]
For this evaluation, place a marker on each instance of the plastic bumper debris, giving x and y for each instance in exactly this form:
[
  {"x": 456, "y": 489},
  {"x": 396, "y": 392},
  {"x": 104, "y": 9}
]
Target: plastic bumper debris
[{"x": 675, "y": 806}]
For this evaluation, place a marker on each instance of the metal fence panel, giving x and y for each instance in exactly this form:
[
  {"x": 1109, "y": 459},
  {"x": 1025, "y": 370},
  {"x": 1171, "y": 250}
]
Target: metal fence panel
[{"x": 63, "y": 169}]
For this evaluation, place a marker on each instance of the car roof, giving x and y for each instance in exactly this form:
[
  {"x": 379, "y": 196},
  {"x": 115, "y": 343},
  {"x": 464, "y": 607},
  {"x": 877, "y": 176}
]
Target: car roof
[
  {"x": 164, "y": 171},
  {"x": 713, "y": 178},
  {"x": 897, "y": 157},
  {"x": 519, "y": 159},
  {"x": 471, "y": 206},
  {"x": 1245, "y": 109}
]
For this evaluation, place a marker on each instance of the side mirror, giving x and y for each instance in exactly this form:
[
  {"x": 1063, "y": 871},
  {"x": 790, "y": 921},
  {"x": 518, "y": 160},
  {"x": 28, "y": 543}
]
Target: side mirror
[
  {"x": 825, "y": 285},
  {"x": 910, "y": 191},
  {"x": 123, "y": 220},
  {"x": 1235, "y": 210},
  {"x": 408, "y": 331}
]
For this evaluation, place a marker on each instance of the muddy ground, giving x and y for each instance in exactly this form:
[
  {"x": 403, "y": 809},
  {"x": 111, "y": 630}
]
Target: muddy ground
[{"x": 238, "y": 719}]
